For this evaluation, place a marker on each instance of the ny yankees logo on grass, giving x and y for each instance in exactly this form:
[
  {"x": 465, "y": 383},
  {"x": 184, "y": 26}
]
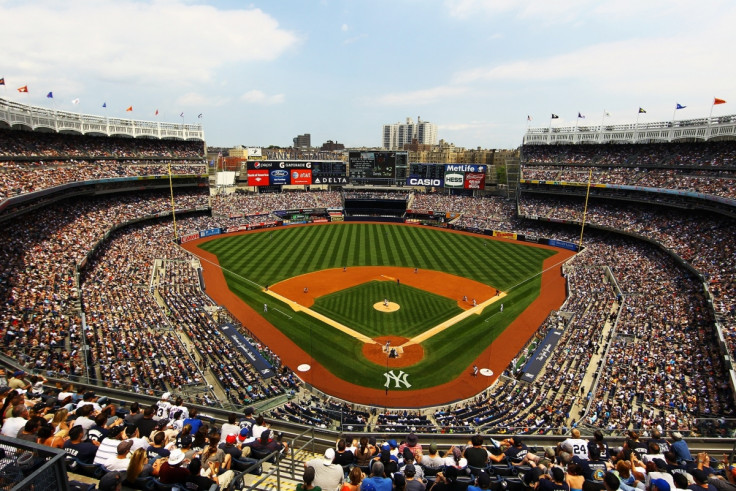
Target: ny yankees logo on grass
[{"x": 398, "y": 378}]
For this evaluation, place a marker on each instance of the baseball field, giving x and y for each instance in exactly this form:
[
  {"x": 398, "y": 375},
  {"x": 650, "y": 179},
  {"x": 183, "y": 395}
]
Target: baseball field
[{"x": 383, "y": 308}]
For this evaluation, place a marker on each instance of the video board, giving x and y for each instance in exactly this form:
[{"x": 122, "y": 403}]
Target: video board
[{"x": 376, "y": 164}]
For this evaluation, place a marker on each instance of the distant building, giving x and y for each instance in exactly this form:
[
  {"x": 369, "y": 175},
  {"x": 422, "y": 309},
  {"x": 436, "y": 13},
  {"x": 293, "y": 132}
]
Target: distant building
[
  {"x": 396, "y": 136},
  {"x": 303, "y": 141},
  {"x": 330, "y": 146}
]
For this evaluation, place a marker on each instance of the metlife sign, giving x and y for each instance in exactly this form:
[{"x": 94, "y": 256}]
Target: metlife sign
[{"x": 465, "y": 168}]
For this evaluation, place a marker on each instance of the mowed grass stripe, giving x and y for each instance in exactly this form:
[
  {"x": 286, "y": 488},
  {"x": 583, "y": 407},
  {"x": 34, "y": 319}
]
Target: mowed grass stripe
[{"x": 453, "y": 349}]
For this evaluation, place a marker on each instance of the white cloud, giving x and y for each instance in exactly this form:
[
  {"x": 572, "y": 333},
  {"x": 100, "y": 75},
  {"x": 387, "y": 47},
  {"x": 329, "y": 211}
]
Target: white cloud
[
  {"x": 146, "y": 43},
  {"x": 419, "y": 97},
  {"x": 259, "y": 97},
  {"x": 195, "y": 99},
  {"x": 344, "y": 28}
]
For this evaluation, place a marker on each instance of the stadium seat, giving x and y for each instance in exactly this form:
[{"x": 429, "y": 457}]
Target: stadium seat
[{"x": 91, "y": 470}]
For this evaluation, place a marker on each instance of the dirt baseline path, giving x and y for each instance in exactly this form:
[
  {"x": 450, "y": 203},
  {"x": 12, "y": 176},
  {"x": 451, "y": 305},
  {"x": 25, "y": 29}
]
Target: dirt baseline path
[{"x": 495, "y": 357}]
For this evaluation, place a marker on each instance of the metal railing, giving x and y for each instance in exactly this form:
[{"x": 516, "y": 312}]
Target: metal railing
[{"x": 25, "y": 465}]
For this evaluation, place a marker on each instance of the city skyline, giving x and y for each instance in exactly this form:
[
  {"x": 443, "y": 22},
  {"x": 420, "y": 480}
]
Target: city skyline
[{"x": 339, "y": 70}]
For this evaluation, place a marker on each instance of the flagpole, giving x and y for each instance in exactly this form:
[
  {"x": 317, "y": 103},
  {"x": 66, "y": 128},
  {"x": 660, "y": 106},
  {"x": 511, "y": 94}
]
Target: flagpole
[{"x": 549, "y": 130}]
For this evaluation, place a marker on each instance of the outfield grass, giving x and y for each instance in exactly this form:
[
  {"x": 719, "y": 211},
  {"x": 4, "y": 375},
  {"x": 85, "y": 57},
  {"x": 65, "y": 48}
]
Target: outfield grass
[{"x": 252, "y": 260}]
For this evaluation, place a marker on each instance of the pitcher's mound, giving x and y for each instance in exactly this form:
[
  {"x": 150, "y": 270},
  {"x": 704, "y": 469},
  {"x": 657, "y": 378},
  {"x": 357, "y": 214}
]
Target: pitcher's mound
[{"x": 390, "y": 307}]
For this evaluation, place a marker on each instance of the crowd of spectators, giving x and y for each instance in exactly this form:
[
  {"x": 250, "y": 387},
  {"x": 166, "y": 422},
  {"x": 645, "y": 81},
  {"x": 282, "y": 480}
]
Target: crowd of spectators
[
  {"x": 701, "y": 154},
  {"x": 265, "y": 203}
]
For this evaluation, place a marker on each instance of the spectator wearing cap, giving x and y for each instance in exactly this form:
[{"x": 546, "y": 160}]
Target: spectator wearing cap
[
  {"x": 701, "y": 483},
  {"x": 377, "y": 480},
  {"x": 412, "y": 442},
  {"x": 119, "y": 461},
  {"x": 109, "y": 445},
  {"x": 483, "y": 481},
  {"x": 230, "y": 446},
  {"x": 410, "y": 460},
  {"x": 230, "y": 427},
  {"x": 413, "y": 482},
  {"x": 657, "y": 470},
  {"x": 248, "y": 420},
  {"x": 244, "y": 437},
  {"x": 161, "y": 408},
  {"x": 84, "y": 451},
  {"x": 680, "y": 448},
  {"x": 112, "y": 481},
  {"x": 173, "y": 471},
  {"x": 575, "y": 445},
  {"x": 454, "y": 458},
  {"x": 681, "y": 482},
  {"x": 13, "y": 425},
  {"x": 328, "y": 474},
  {"x": 434, "y": 460},
  {"x": 18, "y": 381},
  {"x": 660, "y": 485}
]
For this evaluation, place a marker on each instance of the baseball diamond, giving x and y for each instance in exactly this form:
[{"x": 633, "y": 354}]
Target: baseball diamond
[{"x": 325, "y": 279}]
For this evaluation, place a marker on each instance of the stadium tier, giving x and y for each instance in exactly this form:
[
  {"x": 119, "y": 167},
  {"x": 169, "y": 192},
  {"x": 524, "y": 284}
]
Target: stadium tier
[{"x": 107, "y": 289}]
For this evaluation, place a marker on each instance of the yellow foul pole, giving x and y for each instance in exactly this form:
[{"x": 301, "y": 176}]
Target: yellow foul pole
[{"x": 585, "y": 209}]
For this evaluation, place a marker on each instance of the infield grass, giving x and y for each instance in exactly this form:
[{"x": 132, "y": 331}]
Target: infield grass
[{"x": 253, "y": 260}]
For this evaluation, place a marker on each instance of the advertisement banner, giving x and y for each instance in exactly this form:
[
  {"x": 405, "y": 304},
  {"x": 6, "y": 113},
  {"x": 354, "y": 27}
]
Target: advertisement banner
[
  {"x": 210, "y": 232},
  {"x": 541, "y": 354},
  {"x": 187, "y": 238},
  {"x": 454, "y": 179},
  {"x": 323, "y": 179},
  {"x": 474, "y": 168},
  {"x": 504, "y": 235},
  {"x": 258, "y": 177},
  {"x": 301, "y": 177},
  {"x": 264, "y": 368},
  {"x": 419, "y": 181},
  {"x": 279, "y": 177},
  {"x": 475, "y": 180}
]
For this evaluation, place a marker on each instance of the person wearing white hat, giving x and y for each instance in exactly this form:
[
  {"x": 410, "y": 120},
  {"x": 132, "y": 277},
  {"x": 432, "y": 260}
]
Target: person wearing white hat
[
  {"x": 162, "y": 407},
  {"x": 327, "y": 474},
  {"x": 172, "y": 471}
]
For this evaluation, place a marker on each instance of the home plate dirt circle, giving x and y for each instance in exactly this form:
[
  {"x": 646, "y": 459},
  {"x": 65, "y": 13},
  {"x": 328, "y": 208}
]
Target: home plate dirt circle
[
  {"x": 386, "y": 307},
  {"x": 410, "y": 354}
]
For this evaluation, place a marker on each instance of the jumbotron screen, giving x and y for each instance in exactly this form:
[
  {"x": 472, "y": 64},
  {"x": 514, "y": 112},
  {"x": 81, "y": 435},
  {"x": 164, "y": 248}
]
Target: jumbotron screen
[{"x": 376, "y": 164}]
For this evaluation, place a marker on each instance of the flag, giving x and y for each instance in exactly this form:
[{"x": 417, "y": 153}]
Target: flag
[
  {"x": 554, "y": 116},
  {"x": 716, "y": 100},
  {"x": 642, "y": 111},
  {"x": 104, "y": 104},
  {"x": 2, "y": 81},
  {"x": 606, "y": 114},
  {"x": 156, "y": 113},
  {"x": 580, "y": 116},
  {"x": 75, "y": 101},
  {"x": 679, "y": 106},
  {"x": 129, "y": 110},
  {"x": 23, "y": 89},
  {"x": 50, "y": 95},
  {"x": 528, "y": 118},
  {"x": 200, "y": 116},
  {"x": 181, "y": 115}
]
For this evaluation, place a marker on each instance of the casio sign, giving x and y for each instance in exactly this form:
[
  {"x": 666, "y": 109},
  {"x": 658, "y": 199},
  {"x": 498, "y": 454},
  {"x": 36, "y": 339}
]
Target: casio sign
[
  {"x": 416, "y": 181},
  {"x": 454, "y": 179}
]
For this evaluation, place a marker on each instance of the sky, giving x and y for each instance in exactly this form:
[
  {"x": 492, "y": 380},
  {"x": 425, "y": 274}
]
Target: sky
[{"x": 261, "y": 73}]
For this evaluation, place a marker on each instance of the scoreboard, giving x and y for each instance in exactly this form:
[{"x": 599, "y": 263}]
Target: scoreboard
[{"x": 377, "y": 165}]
